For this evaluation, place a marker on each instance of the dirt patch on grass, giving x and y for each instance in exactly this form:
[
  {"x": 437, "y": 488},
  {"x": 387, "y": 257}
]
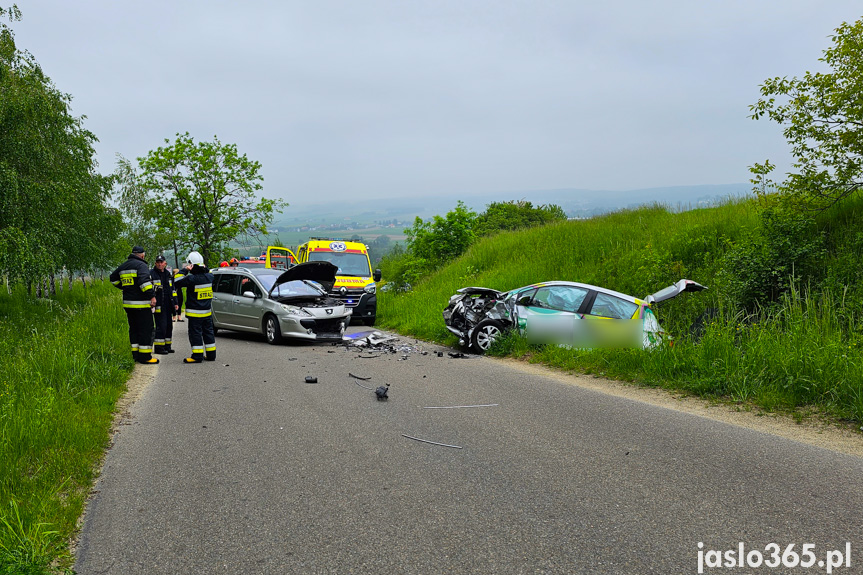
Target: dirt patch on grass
[
  {"x": 812, "y": 429},
  {"x": 137, "y": 382}
]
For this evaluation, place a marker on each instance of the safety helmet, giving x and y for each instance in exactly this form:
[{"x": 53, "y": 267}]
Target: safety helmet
[
  {"x": 195, "y": 259},
  {"x": 234, "y": 261},
  {"x": 223, "y": 265}
]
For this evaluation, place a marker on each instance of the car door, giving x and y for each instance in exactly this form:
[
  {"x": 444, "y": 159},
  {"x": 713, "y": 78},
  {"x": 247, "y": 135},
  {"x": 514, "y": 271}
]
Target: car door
[
  {"x": 249, "y": 311},
  {"x": 224, "y": 294},
  {"x": 612, "y": 321},
  {"x": 551, "y": 313}
]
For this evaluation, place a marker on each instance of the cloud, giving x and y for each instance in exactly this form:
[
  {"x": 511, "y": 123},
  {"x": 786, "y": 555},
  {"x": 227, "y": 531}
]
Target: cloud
[{"x": 384, "y": 98}]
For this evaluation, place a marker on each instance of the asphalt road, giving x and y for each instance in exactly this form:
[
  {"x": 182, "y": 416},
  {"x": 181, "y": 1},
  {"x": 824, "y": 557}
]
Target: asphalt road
[{"x": 240, "y": 466}]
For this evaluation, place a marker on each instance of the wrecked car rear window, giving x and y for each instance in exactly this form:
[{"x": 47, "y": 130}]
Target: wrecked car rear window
[{"x": 609, "y": 306}]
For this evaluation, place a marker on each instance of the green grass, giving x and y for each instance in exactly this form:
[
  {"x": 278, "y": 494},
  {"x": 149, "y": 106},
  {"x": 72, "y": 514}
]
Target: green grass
[
  {"x": 63, "y": 364},
  {"x": 802, "y": 352}
]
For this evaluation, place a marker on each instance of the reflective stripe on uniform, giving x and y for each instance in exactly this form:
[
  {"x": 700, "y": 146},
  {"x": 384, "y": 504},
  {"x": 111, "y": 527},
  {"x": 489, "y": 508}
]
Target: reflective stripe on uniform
[
  {"x": 146, "y": 286},
  {"x": 145, "y": 348},
  {"x": 198, "y": 312},
  {"x": 197, "y": 349},
  {"x": 136, "y": 304},
  {"x": 211, "y": 347}
]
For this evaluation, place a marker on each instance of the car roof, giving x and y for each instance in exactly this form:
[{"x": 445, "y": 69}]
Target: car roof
[
  {"x": 250, "y": 271},
  {"x": 585, "y": 286}
]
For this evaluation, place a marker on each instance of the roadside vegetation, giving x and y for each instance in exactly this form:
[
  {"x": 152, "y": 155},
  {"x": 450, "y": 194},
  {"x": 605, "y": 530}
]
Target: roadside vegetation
[
  {"x": 64, "y": 362},
  {"x": 779, "y": 327}
]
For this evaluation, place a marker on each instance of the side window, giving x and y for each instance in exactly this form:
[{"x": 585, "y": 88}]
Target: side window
[
  {"x": 561, "y": 298},
  {"x": 227, "y": 283},
  {"x": 609, "y": 306},
  {"x": 248, "y": 284}
]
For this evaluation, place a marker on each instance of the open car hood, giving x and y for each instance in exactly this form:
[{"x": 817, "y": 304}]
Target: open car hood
[
  {"x": 674, "y": 290},
  {"x": 322, "y": 272},
  {"x": 480, "y": 291}
]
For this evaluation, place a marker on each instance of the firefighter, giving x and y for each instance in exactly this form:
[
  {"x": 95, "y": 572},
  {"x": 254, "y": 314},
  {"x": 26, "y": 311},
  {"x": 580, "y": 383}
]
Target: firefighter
[
  {"x": 198, "y": 282},
  {"x": 133, "y": 277},
  {"x": 166, "y": 304}
]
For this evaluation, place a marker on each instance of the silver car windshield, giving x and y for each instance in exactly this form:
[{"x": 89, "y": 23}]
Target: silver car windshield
[
  {"x": 299, "y": 288},
  {"x": 267, "y": 281}
]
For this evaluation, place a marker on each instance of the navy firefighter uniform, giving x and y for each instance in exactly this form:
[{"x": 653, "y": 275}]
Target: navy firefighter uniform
[
  {"x": 163, "y": 285},
  {"x": 133, "y": 277},
  {"x": 198, "y": 282}
]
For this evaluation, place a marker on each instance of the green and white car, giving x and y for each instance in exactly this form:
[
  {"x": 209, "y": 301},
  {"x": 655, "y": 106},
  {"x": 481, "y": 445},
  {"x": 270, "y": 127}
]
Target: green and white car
[{"x": 566, "y": 313}]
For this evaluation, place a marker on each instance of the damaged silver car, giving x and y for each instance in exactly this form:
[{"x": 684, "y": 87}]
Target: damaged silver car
[
  {"x": 279, "y": 303},
  {"x": 565, "y": 313}
]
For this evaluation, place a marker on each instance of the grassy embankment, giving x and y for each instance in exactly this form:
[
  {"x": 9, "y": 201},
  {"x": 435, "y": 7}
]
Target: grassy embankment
[
  {"x": 63, "y": 364},
  {"x": 798, "y": 353}
]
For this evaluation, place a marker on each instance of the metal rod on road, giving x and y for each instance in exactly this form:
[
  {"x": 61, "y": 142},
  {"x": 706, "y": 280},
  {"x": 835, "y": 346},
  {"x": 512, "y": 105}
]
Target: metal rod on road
[
  {"x": 459, "y": 406},
  {"x": 432, "y": 442}
]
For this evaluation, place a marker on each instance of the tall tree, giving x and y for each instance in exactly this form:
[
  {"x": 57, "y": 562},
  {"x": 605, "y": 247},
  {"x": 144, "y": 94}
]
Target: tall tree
[
  {"x": 822, "y": 116},
  {"x": 144, "y": 225},
  {"x": 53, "y": 203},
  {"x": 205, "y": 193}
]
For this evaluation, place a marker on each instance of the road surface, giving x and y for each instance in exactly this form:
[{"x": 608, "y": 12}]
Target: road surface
[{"x": 473, "y": 465}]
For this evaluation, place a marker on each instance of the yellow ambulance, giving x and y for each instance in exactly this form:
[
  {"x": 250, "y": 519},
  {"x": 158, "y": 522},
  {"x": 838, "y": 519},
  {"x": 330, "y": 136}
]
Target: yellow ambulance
[{"x": 355, "y": 281}]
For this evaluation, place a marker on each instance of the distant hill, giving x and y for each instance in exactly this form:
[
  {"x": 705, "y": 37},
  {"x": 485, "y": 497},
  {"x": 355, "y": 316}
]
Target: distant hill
[{"x": 575, "y": 202}]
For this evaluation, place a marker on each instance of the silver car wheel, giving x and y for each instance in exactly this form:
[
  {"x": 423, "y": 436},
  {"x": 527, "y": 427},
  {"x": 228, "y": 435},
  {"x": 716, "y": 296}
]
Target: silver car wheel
[
  {"x": 272, "y": 330},
  {"x": 484, "y": 334}
]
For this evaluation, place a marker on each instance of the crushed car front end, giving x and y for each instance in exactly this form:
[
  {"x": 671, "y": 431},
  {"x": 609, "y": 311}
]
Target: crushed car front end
[{"x": 471, "y": 305}]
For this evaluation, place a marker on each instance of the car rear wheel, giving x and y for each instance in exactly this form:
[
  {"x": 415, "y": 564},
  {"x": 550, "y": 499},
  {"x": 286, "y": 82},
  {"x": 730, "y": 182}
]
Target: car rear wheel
[
  {"x": 484, "y": 334},
  {"x": 272, "y": 330}
]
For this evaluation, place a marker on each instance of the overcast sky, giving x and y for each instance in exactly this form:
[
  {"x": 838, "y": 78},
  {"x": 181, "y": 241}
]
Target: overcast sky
[{"x": 384, "y": 98}]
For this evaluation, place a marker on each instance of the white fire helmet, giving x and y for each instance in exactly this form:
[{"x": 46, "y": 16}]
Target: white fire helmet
[{"x": 195, "y": 259}]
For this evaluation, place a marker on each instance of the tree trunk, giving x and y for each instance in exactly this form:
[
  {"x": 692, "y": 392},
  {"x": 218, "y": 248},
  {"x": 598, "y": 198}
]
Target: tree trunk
[
  {"x": 53, "y": 286},
  {"x": 83, "y": 280}
]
